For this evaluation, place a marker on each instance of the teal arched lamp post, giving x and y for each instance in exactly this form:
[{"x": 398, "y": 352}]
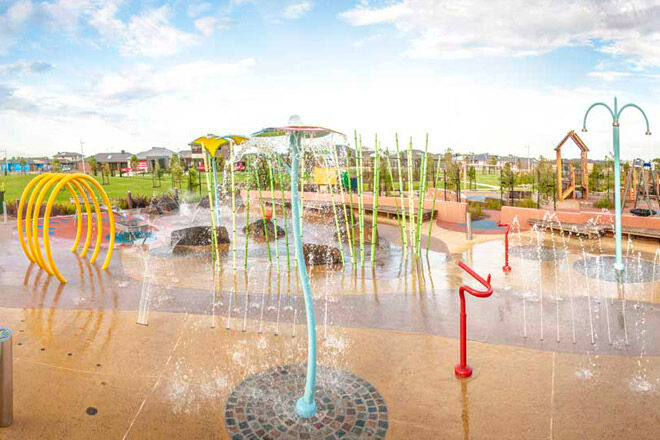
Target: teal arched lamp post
[
  {"x": 305, "y": 406},
  {"x": 616, "y": 114}
]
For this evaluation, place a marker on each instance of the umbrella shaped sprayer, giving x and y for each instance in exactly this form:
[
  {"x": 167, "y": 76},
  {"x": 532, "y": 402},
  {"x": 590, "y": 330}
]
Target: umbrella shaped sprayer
[
  {"x": 318, "y": 140},
  {"x": 212, "y": 144}
]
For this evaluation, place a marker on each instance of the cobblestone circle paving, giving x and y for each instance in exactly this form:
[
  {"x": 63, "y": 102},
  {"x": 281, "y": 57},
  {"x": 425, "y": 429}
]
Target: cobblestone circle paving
[
  {"x": 263, "y": 407},
  {"x": 637, "y": 270}
]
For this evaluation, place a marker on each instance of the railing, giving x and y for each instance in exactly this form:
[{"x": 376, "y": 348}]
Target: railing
[{"x": 463, "y": 370}]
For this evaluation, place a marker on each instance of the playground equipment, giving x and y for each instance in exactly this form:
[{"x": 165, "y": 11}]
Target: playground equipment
[
  {"x": 305, "y": 406},
  {"x": 80, "y": 187},
  {"x": 568, "y": 187},
  {"x": 463, "y": 370},
  {"x": 506, "y": 268},
  {"x": 211, "y": 143},
  {"x": 641, "y": 181},
  {"x": 616, "y": 113}
]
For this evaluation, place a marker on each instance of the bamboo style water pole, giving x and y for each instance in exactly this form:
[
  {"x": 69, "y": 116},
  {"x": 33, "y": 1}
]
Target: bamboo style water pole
[
  {"x": 403, "y": 206},
  {"x": 374, "y": 211},
  {"x": 349, "y": 239},
  {"x": 274, "y": 210}
]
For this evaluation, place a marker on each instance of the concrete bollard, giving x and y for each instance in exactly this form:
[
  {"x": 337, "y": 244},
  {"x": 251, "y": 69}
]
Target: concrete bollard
[
  {"x": 468, "y": 225},
  {"x": 129, "y": 200},
  {"x": 6, "y": 392}
]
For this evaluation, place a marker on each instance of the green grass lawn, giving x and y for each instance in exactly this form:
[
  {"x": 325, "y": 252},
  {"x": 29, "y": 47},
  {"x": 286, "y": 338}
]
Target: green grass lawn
[{"x": 116, "y": 188}]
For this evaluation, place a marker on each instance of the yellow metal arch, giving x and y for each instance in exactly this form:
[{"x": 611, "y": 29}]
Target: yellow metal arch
[{"x": 33, "y": 197}]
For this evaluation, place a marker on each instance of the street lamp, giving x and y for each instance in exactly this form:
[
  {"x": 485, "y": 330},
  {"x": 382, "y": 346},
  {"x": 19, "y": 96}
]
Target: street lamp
[{"x": 616, "y": 114}]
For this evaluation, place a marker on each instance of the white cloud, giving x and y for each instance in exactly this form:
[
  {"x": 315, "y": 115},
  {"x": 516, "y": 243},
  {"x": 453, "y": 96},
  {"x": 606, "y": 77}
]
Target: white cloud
[
  {"x": 197, "y": 9},
  {"x": 66, "y": 14},
  {"x": 294, "y": 11},
  {"x": 274, "y": 11},
  {"x": 451, "y": 29},
  {"x": 207, "y": 26},
  {"x": 11, "y": 23},
  {"x": 151, "y": 34},
  {"x": 146, "y": 104}
]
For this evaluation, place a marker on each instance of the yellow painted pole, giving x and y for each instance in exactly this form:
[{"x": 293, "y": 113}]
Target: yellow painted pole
[
  {"x": 49, "y": 208},
  {"x": 88, "y": 210},
  {"x": 19, "y": 213},
  {"x": 35, "y": 193}
]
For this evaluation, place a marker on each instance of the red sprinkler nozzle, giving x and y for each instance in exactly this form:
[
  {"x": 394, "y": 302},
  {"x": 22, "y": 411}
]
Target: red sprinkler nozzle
[{"x": 463, "y": 370}]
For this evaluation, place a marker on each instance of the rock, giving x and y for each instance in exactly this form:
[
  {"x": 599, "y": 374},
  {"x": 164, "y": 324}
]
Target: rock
[
  {"x": 321, "y": 255},
  {"x": 256, "y": 230},
  {"x": 198, "y": 236},
  {"x": 166, "y": 203},
  {"x": 355, "y": 234}
]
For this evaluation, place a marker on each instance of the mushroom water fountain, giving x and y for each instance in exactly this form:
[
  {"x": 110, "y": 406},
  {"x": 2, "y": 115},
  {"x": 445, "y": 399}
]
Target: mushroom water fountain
[
  {"x": 295, "y": 131},
  {"x": 334, "y": 402}
]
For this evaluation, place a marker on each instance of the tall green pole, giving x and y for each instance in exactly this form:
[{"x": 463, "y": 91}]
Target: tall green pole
[
  {"x": 374, "y": 209},
  {"x": 334, "y": 211},
  {"x": 616, "y": 114},
  {"x": 396, "y": 205},
  {"x": 349, "y": 238},
  {"x": 421, "y": 198},
  {"x": 286, "y": 225},
  {"x": 403, "y": 206},
  {"x": 247, "y": 211},
  {"x": 435, "y": 192},
  {"x": 411, "y": 205},
  {"x": 263, "y": 214},
  {"x": 233, "y": 200},
  {"x": 272, "y": 202},
  {"x": 361, "y": 201}
]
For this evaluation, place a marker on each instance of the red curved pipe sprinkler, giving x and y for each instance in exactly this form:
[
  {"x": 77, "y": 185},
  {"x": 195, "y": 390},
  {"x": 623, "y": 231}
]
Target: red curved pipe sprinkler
[
  {"x": 463, "y": 370},
  {"x": 506, "y": 268}
]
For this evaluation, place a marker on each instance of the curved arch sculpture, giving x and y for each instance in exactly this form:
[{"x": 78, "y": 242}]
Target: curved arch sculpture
[{"x": 80, "y": 186}]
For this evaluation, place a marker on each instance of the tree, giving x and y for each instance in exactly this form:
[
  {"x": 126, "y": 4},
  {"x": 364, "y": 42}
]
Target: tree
[
  {"x": 472, "y": 174},
  {"x": 55, "y": 164},
  {"x": 94, "y": 165},
  {"x": 449, "y": 156},
  {"x": 134, "y": 163},
  {"x": 22, "y": 162},
  {"x": 176, "y": 169}
]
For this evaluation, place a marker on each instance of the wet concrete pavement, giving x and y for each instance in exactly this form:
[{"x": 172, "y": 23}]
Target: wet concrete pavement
[{"x": 79, "y": 345}]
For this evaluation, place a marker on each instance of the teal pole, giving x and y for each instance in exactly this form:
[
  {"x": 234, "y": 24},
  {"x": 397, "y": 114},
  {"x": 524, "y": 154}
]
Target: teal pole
[
  {"x": 215, "y": 191},
  {"x": 305, "y": 406},
  {"x": 616, "y": 114}
]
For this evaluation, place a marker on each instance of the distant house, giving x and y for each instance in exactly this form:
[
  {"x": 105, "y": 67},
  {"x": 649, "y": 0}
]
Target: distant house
[
  {"x": 115, "y": 161},
  {"x": 156, "y": 155},
  {"x": 186, "y": 158},
  {"x": 69, "y": 161},
  {"x": 38, "y": 164}
]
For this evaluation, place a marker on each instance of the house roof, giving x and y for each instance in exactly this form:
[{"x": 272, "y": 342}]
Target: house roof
[
  {"x": 155, "y": 153},
  {"x": 112, "y": 157}
]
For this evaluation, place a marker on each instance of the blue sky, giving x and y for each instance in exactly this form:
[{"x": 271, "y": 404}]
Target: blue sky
[{"x": 483, "y": 76}]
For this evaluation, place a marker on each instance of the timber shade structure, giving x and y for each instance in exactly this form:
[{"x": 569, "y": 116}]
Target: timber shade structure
[
  {"x": 81, "y": 187},
  {"x": 584, "y": 180}
]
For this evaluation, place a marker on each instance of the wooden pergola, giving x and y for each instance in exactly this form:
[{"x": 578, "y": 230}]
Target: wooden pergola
[{"x": 570, "y": 189}]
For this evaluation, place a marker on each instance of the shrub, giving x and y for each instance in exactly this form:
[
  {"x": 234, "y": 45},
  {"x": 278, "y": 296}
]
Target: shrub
[
  {"x": 493, "y": 204},
  {"x": 474, "y": 209},
  {"x": 605, "y": 203},
  {"x": 59, "y": 208},
  {"x": 525, "y": 203}
]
